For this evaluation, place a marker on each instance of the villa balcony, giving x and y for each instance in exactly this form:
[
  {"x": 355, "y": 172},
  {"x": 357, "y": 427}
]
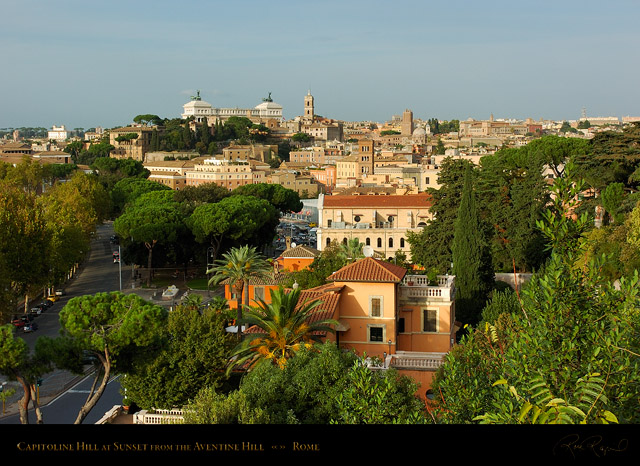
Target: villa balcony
[
  {"x": 420, "y": 287},
  {"x": 416, "y": 361},
  {"x": 410, "y": 360}
]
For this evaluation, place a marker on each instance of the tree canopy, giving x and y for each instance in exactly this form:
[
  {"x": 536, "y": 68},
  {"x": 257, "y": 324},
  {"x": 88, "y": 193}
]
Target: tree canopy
[
  {"x": 234, "y": 221},
  {"x": 113, "y": 327},
  {"x": 567, "y": 353},
  {"x": 283, "y": 199},
  {"x": 193, "y": 354}
]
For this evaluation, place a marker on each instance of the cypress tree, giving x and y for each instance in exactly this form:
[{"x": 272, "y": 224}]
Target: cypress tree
[
  {"x": 187, "y": 137},
  {"x": 205, "y": 133},
  {"x": 154, "y": 145},
  {"x": 471, "y": 258}
]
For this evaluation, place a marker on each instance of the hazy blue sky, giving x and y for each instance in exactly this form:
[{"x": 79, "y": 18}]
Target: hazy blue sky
[{"x": 85, "y": 64}]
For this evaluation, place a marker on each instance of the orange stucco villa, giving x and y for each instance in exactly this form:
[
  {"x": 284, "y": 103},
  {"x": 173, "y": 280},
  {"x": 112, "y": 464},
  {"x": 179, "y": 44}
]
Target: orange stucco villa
[{"x": 383, "y": 311}]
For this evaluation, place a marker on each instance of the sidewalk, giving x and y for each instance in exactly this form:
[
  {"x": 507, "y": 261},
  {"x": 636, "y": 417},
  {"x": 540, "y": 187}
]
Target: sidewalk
[
  {"x": 55, "y": 383},
  {"x": 52, "y": 385}
]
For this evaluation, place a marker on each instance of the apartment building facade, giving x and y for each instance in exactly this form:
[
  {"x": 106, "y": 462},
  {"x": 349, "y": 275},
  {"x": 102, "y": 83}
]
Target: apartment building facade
[
  {"x": 378, "y": 221},
  {"x": 302, "y": 183},
  {"x": 130, "y": 142},
  {"x": 229, "y": 175}
]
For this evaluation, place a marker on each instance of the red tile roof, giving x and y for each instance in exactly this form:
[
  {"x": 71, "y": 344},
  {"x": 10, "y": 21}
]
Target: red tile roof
[
  {"x": 301, "y": 251},
  {"x": 421, "y": 200},
  {"x": 328, "y": 295},
  {"x": 369, "y": 270}
]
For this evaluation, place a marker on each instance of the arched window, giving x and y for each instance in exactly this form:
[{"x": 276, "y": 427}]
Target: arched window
[
  {"x": 379, "y": 242},
  {"x": 344, "y": 240},
  {"x": 367, "y": 241},
  {"x": 328, "y": 241},
  {"x": 390, "y": 242},
  {"x": 401, "y": 242}
]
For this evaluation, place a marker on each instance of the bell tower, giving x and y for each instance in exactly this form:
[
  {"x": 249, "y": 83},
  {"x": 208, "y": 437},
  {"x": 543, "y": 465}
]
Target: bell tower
[
  {"x": 309, "y": 114},
  {"x": 407, "y": 123}
]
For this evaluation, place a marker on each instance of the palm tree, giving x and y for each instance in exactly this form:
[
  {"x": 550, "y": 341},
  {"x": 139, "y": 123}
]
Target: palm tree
[
  {"x": 285, "y": 326},
  {"x": 238, "y": 266},
  {"x": 352, "y": 250}
]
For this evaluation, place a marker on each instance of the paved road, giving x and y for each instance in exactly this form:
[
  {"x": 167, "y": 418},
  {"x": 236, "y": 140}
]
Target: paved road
[{"x": 97, "y": 274}]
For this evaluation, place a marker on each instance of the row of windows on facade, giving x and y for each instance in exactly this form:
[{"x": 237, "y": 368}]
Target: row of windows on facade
[
  {"x": 367, "y": 242},
  {"x": 429, "y": 325}
]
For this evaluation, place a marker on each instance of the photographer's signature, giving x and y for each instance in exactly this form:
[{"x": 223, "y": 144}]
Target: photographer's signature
[{"x": 593, "y": 444}]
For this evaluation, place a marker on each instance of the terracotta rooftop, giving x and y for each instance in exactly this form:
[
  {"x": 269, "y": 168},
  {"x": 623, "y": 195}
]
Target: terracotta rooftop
[
  {"x": 369, "y": 270},
  {"x": 329, "y": 297},
  {"x": 421, "y": 200},
  {"x": 300, "y": 251}
]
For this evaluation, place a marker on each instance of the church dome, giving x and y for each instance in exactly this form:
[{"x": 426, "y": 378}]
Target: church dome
[{"x": 419, "y": 131}]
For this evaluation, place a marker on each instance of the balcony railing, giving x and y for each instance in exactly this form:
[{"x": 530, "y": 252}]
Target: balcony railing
[
  {"x": 419, "y": 286},
  {"x": 415, "y": 360},
  {"x": 159, "y": 416}
]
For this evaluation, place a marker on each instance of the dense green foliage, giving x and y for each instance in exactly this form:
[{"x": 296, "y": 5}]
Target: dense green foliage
[
  {"x": 471, "y": 258},
  {"x": 431, "y": 246},
  {"x": 113, "y": 328},
  {"x": 283, "y": 199},
  {"x": 233, "y": 221},
  {"x": 154, "y": 218},
  {"x": 192, "y": 353},
  {"x": 43, "y": 235},
  {"x": 571, "y": 354},
  {"x": 314, "y": 387},
  {"x": 512, "y": 194},
  {"x": 614, "y": 157}
]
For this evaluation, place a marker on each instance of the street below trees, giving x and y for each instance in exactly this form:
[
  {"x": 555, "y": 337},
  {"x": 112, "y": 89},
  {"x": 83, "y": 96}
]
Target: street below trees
[{"x": 98, "y": 274}]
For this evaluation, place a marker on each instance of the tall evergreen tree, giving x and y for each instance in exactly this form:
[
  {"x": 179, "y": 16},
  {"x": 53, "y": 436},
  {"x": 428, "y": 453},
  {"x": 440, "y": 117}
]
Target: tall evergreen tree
[
  {"x": 205, "y": 133},
  {"x": 431, "y": 246},
  {"x": 154, "y": 145},
  {"x": 471, "y": 258},
  {"x": 187, "y": 137}
]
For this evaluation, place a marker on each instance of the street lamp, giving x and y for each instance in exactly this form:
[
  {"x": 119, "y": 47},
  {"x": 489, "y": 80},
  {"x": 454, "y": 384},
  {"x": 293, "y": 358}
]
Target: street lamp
[
  {"x": 120, "y": 266},
  {"x": 209, "y": 266}
]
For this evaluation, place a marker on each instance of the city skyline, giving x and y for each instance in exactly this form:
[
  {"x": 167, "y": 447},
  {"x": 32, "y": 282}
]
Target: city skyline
[{"x": 84, "y": 65}]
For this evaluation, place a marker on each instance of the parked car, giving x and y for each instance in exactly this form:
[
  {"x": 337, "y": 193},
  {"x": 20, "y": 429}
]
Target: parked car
[
  {"x": 19, "y": 323},
  {"x": 35, "y": 311},
  {"x": 30, "y": 327},
  {"x": 116, "y": 257}
]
